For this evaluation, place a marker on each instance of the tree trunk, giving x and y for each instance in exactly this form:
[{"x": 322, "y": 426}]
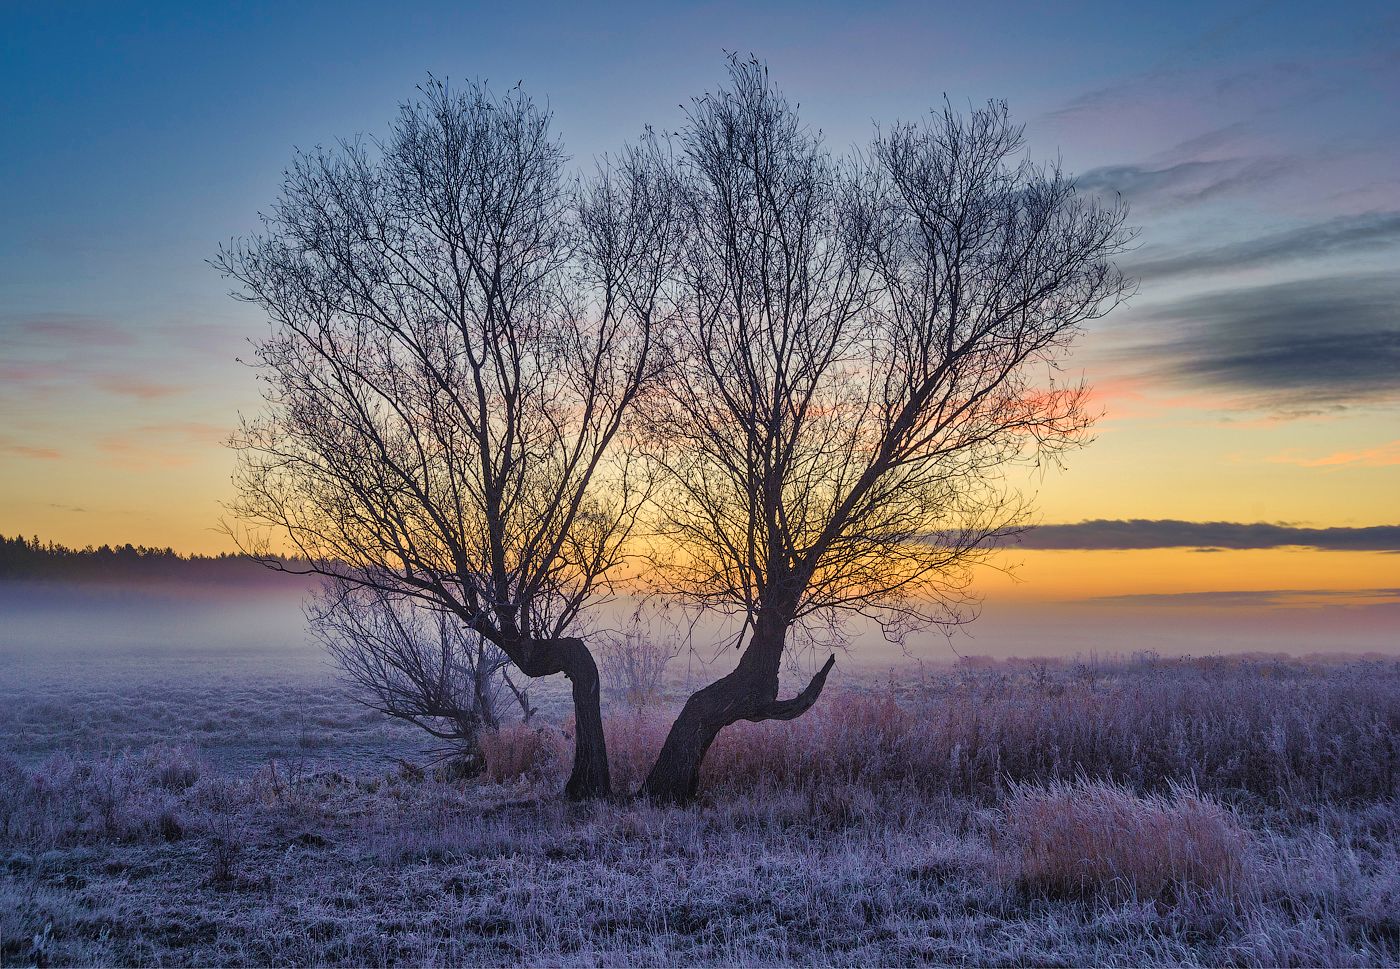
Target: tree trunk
[
  {"x": 571, "y": 657},
  {"x": 748, "y": 693},
  {"x": 675, "y": 777},
  {"x": 590, "y": 777}
]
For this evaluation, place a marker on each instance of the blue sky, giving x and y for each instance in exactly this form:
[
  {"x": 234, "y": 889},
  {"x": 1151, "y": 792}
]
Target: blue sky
[
  {"x": 1256, "y": 142},
  {"x": 139, "y": 134}
]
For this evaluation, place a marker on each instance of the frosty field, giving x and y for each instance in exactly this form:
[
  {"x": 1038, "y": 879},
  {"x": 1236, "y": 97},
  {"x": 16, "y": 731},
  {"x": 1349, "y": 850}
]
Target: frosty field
[{"x": 227, "y": 803}]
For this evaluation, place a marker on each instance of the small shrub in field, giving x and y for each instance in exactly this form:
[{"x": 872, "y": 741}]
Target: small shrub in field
[
  {"x": 633, "y": 663},
  {"x": 518, "y": 750},
  {"x": 173, "y": 768},
  {"x": 127, "y": 797},
  {"x": 1094, "y": 838}
]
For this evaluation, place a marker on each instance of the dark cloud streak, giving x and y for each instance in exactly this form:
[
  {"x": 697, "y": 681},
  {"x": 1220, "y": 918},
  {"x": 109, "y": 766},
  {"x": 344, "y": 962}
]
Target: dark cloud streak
[
  {"x": 1255, "y": 598},
  {"x": 1183, "y": 183},
  {"x": 1332, "y": 341},
  {"x": 1143, "y": 533},
  {"x": 1345, "y": 236}
]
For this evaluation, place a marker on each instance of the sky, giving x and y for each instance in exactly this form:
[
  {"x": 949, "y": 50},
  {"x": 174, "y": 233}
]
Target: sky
[{"x": 1253, "y": 380}]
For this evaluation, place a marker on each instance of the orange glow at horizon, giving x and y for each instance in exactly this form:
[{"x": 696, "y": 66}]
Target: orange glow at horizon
[{"x": 1051, "y": 576}]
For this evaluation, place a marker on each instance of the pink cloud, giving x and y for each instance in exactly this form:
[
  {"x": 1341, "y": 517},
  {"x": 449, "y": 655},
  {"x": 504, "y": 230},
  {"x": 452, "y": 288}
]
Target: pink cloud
[
  {"x": 170, "y": 445},
  {"x": 26, "y": 451},
  {"x": 1382, "y": 456},
  {"x": 137, "y": 387},
  {"x": 65, "y": 330}
]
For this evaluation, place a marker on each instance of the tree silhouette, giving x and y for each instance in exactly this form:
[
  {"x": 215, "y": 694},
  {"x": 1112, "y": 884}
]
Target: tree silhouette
[
  {"x": 457, "y": 334},
  {"x": 864, "y": 345}
]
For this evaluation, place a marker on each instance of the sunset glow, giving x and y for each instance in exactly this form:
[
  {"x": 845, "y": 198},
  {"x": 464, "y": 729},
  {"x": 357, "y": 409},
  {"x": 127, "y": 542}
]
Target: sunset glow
[
  {"x": 1251, "y": 379},
  {"x": 824, "y": 483}
]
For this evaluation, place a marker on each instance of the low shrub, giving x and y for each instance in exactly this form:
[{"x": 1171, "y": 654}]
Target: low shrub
[
  {"x": 1096, "y": 839},
  {"x": 126, "y": 797}
]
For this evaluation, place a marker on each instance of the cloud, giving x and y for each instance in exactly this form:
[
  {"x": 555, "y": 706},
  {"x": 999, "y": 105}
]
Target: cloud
[
  {"x": 26, "y": 451},
  {"x": 1381, "y": 456},
  {"x": 1180, "y": 65},
  {"x": 1213, "y": 143},
  {"x": 138, "y": 387},
  {"x": 172, "y": 444},
  {"x": 1347, "y": 235},
  {"x": 1184, "y": 182},
  {"x": 64, "y": 357},
  {"x": 1141, "y": 533},
  {"x": 1257, "y": 598},
  {"x": 62, "y": 331},
  {"x": 1332, "y": 341},
  {"x": 53, "y": 355}
]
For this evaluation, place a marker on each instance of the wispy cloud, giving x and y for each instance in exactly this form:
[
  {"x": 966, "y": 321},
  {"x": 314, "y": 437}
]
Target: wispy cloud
[
  {"x": 62, "y": 360},
  {"x": 171, "y": 444},
  {"x": 1167, "y": 73},
  {"x": 1183, "y": 182},
  {"x": 1381, "y": 456},
  {"x": 1297, "y": 345},
  {"x": 1257, "y": 598},
  {"x": 138, "y": 387},
  {"x": 61, "y": 330},
  {"x": 28, "y": 451},
  {"x": 1142, "y": 533},
  {"x": 1343, "y": 236}
]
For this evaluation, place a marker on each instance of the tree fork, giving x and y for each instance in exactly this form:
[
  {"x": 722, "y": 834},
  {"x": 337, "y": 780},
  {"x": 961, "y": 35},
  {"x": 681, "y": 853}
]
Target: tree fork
[{"x": 742, "y": 695}]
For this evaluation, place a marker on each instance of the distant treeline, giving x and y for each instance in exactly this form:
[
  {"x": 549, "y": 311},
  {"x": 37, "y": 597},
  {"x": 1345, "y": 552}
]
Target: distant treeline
[{"x": 29, "y": 558}]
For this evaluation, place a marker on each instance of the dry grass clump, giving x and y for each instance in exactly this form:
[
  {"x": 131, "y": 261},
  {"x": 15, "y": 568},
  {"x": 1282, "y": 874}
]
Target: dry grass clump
[
  {"x": 634, "y": 739},
  {"x": 543, "y": 753},
  {"x": 518, "y": 750},
  {"x": 1091, "y": 839},
  {"x": 850, "y": 738}
]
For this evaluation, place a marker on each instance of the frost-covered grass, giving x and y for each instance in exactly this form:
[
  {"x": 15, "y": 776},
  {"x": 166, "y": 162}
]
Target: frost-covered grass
[
  {"x": 1149, "y": 814},
  {"x": 1284, "y": 732},
  {"x": 1097, "y": 838}
]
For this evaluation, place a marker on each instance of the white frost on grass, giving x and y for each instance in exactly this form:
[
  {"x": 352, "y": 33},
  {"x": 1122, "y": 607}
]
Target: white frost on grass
[{"x": 879, "y": 829}]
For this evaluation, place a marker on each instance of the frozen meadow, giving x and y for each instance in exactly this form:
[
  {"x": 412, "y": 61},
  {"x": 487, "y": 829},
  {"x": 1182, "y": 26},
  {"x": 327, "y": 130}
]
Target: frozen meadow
[{"x": 230, "y": 804}]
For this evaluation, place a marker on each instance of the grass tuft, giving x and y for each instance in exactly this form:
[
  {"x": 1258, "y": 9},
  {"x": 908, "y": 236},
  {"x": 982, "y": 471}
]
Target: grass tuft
[{"x": 1078, "y": 840}]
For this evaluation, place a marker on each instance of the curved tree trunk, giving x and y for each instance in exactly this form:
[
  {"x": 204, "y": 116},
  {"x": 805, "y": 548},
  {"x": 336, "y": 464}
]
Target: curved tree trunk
[
  {"x": 675, "y": 777},
  {"x": 571, "y": 657},
  {"x": 750, "y": 692},
  {"x": 589, "y": 777}
]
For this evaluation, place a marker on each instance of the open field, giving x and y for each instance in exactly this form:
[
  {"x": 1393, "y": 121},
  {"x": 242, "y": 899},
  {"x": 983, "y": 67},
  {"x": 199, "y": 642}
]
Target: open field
[{"x": 1154, "y": 812}]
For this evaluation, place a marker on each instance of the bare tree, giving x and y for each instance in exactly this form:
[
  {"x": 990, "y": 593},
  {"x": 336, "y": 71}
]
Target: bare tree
[
  {"x": 417, "y": 664},
  {"x": 457, "y": 334},
  {"x": 866, "y": 344},
  {"x": 634, "y": 660}
]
